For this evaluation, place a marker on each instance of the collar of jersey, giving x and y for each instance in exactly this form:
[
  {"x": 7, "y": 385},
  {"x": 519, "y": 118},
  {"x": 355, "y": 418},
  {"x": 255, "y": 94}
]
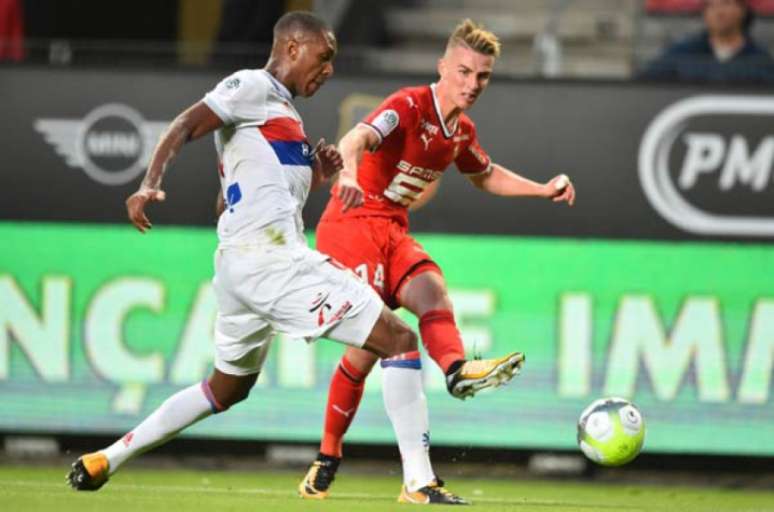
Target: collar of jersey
[
  {"x": 279, "y": 86},
  {"x": 446, "y": 131}
]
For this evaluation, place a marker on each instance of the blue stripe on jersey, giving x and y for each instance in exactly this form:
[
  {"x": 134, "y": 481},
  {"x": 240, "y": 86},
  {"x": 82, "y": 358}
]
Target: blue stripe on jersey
[
  {"x": 292, "y": 152},
  {"x": 415, "y": 364}
]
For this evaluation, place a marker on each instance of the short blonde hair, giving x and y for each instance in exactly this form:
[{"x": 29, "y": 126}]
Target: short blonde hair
[{"x": 474, "y": 36}]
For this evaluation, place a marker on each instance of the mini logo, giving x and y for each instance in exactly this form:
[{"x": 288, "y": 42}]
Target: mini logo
[
  {"x": 112, "y": 143},
  {"x": 233, "y": 83},
  {"x": 127, "y": 439},
  {"x": 705, "y": 164}
]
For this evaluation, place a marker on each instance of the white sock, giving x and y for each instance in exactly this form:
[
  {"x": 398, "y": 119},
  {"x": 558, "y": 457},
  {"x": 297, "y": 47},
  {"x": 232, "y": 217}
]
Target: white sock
[
  {"x": 182, "y": 409},
  {"x": 406, "y": 405}
]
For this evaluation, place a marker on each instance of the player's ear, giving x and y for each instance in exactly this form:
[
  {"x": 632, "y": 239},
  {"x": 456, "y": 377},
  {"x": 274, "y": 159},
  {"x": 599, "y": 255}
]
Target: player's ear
[
  {"x": 441, "y": 66},
  {"x": 292, "y": 48}
]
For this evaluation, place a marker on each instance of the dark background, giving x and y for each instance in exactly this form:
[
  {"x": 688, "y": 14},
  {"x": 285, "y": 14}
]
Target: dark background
[{"x": 589, "y": 130}]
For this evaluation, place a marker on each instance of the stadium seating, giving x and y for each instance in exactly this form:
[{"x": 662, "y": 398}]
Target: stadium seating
[{"x": 595, "y": 35}]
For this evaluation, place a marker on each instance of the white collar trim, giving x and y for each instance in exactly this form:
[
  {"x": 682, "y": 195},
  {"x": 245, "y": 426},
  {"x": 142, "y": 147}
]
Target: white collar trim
[
  {"x": 279, "y": 86},
  {"x": 447, "y": 132}
]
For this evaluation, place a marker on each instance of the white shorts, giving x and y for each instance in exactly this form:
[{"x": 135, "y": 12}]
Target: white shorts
[{"x": 297, "y": 291}]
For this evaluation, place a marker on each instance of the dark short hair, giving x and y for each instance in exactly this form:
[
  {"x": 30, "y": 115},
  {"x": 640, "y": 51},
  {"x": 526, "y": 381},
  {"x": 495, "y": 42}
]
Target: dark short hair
[{"x": 300, "y": 21}]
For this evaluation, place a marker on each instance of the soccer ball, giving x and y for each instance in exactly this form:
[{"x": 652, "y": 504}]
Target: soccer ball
[{"x": 611, "y": 431}]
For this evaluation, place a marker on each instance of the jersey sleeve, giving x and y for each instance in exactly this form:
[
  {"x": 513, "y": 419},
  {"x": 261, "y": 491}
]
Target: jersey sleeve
[
  {"x": 472, "y": 159},
  {"x": 239, "y": 98},
  {"x": 396, "y": 114}
]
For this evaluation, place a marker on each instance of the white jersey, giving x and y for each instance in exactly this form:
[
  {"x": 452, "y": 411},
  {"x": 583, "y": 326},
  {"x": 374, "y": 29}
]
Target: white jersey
[
  {"x": 265, "y": 161},
  {"x": 266, "y": 278}
]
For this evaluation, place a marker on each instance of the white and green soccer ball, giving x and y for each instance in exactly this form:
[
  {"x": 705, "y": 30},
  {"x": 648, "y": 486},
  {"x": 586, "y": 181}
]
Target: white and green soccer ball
[{"x": 611, "y": 431}]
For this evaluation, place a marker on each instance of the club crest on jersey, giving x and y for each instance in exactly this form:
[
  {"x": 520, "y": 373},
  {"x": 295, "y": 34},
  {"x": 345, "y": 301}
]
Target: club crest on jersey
[
  {"x": 429, "y": 131},
  {"x": 429, "y": 127}
]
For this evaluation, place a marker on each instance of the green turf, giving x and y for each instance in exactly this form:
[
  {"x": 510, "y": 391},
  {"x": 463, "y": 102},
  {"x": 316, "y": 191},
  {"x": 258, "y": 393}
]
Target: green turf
[{"x": 36, "y": 488}]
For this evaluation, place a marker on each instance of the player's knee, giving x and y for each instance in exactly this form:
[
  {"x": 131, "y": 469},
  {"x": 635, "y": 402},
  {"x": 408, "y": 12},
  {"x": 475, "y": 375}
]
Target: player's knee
[
  {"x": 239, "y": 395},
  {"x": 230, "y": 390},
  {"x": 233, "y": 397},
  {"x": 433, "y": 299},
  {"x": 440, "y": 301}
]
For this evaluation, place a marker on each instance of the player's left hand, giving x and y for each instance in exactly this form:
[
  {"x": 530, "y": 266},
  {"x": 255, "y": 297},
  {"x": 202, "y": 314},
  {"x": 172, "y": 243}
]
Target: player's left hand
[
  {"x": 135, "y": 207},
  {"x": 328, "y": 158},
  {"x": 560, "y": 188}
]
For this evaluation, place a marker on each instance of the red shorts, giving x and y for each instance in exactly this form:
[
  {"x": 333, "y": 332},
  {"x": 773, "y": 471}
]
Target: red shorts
[{"x": 378, "y": 249}]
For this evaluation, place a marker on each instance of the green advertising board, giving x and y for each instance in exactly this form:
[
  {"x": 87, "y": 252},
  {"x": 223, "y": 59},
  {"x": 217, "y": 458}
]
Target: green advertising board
[{"x": 99, "y": 324}]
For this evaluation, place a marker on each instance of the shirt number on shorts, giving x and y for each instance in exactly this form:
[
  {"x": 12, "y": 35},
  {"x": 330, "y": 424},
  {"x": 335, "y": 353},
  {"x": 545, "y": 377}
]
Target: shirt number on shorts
[{"x": 362, "y": 272}]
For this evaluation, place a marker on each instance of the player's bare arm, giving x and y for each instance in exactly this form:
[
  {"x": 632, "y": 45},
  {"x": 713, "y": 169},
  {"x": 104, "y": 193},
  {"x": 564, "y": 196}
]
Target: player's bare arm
[
  {"x": 352, "y": 147},
  {"x": 195, "y": 122},
  {"x": 502, "y": 182},
  {"x": 220, "y": 203}
]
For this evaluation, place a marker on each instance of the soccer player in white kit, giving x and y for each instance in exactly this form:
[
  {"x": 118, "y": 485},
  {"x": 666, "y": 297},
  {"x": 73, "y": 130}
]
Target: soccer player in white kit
[{"x": 266, "y": 278}]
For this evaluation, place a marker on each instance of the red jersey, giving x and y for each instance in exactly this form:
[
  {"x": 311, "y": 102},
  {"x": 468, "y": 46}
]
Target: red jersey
[{"x": 415, "y": 148}]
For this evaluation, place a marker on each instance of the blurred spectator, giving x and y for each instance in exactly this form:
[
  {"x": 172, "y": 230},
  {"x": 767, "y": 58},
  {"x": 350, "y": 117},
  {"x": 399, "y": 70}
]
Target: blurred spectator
[
  {"x": 11, "y": 30},
  {"x": 722, "y": 53}
]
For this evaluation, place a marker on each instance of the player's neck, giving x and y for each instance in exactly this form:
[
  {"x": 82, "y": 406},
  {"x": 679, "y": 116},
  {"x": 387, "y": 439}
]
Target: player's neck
[
  {"x": 732, "y": 40},
  {"x": 275, "y": 68},
  {"x": 449, "y": 111}
]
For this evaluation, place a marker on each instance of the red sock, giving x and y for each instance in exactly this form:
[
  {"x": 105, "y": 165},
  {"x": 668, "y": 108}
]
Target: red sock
[
  {"x": 441, "y": 337},
  {"x": 344, "y": 396}
]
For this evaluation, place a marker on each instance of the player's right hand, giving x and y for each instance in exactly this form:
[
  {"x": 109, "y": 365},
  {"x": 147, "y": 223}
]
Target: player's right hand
[
  {"x": 135, "y": 207},
  {"x": 350, "y": 193}
]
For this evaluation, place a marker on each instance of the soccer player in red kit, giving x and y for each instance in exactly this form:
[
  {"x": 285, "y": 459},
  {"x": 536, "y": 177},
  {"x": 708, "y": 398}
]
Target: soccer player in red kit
[{"x": 390, "y": 160}]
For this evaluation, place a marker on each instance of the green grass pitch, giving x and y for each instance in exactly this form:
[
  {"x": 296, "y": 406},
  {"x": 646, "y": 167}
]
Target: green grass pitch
[{"x": 43, "y": 488}]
